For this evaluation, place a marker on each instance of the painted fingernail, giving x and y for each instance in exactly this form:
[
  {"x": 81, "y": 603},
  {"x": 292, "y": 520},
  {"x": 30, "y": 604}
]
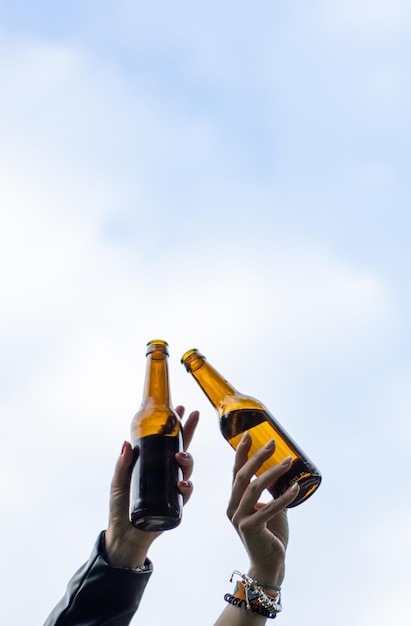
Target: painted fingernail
[
  {"x": 185, "y": 484},
  {"x": 123, "y": 447},
  {"x": 269, "y": 444},
  {"x": 287, "y": 460}
]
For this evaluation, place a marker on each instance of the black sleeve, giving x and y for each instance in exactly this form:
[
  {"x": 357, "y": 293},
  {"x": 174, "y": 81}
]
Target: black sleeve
[{"x": 99, "y": 594}]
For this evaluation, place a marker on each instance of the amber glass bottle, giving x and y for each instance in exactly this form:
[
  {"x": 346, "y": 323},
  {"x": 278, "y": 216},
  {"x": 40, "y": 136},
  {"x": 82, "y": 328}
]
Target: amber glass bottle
[
  {"x": 156, "y": 434},
  {"x": 239, "y": 413}
]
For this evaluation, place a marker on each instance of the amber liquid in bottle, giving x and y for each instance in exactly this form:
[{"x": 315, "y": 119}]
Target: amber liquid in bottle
[
  {"x": 156, "y": 434},
  {"x": 239, "y": 413}
]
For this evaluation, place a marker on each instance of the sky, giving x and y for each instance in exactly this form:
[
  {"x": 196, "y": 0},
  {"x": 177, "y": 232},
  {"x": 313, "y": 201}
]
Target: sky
[{"x": 227, "y": 176}]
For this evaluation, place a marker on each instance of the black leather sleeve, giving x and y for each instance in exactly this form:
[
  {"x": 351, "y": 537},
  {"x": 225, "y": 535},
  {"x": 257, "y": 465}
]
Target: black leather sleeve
[{"x": 99, "y": 594}]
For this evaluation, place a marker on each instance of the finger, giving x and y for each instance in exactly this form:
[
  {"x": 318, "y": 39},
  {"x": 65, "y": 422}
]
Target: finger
[
  {"x": 263, "y": 513},
  {"x": 120, "y": 483},
  {"x": 254, "y": 490},
  {"x": 190, "y": 427},
  {"x": 241, "y": 454},
  {"x": 244, "y": 474},
  {"x": 291, "y": 493},
  {"x": 186, "y": 462},
  {"x": 186, "y": 489},
  {"x": 122, "y": 470},
  {"x": 180, "y": 410},
  {"x": 253, "y": 464}
]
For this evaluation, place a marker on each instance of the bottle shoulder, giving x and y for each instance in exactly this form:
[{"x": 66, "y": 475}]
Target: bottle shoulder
[
  {"x": 155, "y": 420},
  {"x": 149, "y": 410},
  {"x": 235, "y": 402}
]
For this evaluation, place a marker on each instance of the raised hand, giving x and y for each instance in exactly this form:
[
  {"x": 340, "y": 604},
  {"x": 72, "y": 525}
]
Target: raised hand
[
  {"x": 263, "y": 528},
  {"x": 126, "y": 546}
]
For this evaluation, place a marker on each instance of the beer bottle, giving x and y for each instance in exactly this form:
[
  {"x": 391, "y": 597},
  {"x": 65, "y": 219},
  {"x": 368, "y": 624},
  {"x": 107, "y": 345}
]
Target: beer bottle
[
  {"x": 156, "y": 435},
  {"x": 239, "y": 413}
]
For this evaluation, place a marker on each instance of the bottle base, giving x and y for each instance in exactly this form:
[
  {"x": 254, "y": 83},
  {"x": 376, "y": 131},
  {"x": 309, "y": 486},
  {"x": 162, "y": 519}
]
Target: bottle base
[
  {"x": 155, "y": 523},
  {"x": 308, "y": 478},
  {"x": 307, "y": 488}
]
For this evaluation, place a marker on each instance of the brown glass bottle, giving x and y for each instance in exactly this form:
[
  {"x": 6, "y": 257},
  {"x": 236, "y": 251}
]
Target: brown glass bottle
[
  {"x": 156, "y": 435},
  {"x": 239, "y": 413}
]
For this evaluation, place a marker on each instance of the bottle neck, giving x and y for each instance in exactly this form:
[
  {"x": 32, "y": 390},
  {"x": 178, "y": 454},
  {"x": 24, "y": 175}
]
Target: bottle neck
[
  {"x": 156, "y": 386},
  {"x": 217, "y": 389}
]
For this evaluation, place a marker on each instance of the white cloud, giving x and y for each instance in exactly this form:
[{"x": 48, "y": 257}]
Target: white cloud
[{"x": 271, "y": 310}]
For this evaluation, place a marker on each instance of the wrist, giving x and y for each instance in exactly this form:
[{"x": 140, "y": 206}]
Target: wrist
[
  {"x": 125, "y": 553},
  {"x": 261, "y": 599},
  {"x": 267, "y": 576}
]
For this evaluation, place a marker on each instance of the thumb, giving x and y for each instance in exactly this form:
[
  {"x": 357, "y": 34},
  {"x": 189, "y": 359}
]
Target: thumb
[{"x": 120, "y": 484}]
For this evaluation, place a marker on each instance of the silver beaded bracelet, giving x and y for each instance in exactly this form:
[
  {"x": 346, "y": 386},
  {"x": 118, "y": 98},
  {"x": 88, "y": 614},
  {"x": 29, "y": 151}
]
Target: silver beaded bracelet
[{"x": 254, "y": 591}]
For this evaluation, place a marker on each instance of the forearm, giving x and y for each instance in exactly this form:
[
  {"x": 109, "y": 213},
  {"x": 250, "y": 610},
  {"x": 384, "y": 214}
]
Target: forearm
[
  {"x": 100, "y": 592},
  {"x": 239, "y": 616},
  {"x": 256, "y": 596},
  {"x": 127, "y": 550}
]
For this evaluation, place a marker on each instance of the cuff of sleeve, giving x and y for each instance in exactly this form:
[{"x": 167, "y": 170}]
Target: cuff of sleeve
[{"x": 101, "y": 550}]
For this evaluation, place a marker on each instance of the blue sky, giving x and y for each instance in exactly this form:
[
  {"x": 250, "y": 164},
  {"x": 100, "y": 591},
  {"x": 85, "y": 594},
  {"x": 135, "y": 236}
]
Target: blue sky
[{"x": 226, "y": 176}]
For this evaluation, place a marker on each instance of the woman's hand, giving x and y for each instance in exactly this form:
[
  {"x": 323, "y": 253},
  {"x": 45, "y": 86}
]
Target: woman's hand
[
  {"x": 263, "y": 528},
  {"x": 126, "y": 546}
]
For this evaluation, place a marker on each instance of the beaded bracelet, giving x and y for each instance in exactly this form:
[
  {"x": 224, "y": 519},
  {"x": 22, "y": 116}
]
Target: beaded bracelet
[{"x": 249, "y": 594}]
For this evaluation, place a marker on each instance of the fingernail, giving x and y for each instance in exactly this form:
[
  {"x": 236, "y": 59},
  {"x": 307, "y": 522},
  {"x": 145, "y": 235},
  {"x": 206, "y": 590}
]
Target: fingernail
[
  {"x": 295, "y": 488},
  {"x": 287, "y": 460},
  {"x": 269, "y": 444},
  {"x": 183, "y": 454},
  {"x": 246, "y": 436},
  {"x": 123, "y": 447},
  {"x": 184, "y": 483}
]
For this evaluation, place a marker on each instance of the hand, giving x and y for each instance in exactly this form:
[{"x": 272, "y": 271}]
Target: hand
[
  {"x": 263, "y": 528},
  {"x": 126, "y": 546}
]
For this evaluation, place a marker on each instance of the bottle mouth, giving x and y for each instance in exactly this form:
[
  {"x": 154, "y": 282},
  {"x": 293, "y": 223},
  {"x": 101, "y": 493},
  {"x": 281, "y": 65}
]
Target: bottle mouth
[
  {"x": 157, "y": 344},
  {"x": 187, "y": 354},
  {"x": 192, "y": 360}
]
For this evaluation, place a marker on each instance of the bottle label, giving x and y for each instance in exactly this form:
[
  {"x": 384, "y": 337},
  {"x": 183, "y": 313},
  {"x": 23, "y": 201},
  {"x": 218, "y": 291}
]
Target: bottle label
[{"x": 156, "y": 503}]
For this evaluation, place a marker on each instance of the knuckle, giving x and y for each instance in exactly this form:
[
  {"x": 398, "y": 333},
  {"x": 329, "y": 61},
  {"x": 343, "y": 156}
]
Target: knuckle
[
  {"x": 254, "y": 488},
  {"x": 242, "y": 526},
  {"x": 236, "y": 522},
  {"x": 241, "y": 477}
]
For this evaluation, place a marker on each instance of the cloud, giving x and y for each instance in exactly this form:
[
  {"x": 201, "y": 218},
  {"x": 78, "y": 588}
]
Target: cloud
[{"x": 124, "y": 218}]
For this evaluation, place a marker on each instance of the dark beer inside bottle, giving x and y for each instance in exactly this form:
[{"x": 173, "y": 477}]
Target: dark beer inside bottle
[
  {"x": 156, "y": 503},
  {"x": 262, "y": 427}
]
